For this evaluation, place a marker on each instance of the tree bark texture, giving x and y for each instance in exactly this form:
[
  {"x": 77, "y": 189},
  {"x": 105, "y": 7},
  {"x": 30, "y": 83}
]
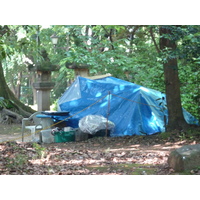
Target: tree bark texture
[
  {"x": 172, "y": 84},
  {"x": 9, "y": 117},
  {"x": 3, "y": 85},
  {"x": 5, "y": 92}
]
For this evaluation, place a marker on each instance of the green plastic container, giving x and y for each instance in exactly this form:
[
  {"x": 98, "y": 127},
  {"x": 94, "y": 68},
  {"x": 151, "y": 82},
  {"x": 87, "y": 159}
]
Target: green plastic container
[{"x": 62, "y": 136}]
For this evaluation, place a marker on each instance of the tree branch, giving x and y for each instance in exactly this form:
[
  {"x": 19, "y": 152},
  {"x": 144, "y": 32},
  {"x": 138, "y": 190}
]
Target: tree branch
[
  {"x": 105, "y": 29},
  {"x": 153, "y": 38},
  {"x": 110, "y": 36},
  {"x": 133, "y": 32}
]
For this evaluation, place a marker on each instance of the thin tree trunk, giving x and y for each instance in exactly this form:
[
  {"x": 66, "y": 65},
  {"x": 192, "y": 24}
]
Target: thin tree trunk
[
  {"x": 34, "y": 91},
  {"x": 172, "y": 84},
  {"x": 18, "y": 87}
]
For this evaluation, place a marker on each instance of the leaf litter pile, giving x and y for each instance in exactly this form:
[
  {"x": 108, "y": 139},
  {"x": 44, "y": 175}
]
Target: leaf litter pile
[{"x": 129, "y": 155}]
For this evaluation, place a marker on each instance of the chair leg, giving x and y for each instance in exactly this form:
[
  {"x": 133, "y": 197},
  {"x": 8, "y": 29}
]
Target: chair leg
[
  {"x": 40, "y": 136},
  {"x": 32, "y": 129},
  {"x": 33, "y": 133},
  {"x": 22, "y": 137}
]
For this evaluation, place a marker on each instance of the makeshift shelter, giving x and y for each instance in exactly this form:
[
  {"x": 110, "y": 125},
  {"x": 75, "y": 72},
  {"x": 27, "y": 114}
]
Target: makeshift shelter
[{"x": 134, "y": 109}]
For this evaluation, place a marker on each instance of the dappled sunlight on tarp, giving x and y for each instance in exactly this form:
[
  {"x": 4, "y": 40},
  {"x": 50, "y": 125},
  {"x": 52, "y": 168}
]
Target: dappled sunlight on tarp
[
  {"x": 98, "y": 94},
  {"x": 118, "y": 88},
  {"x": 144, "y": 89},
  {"x": 72, "y": 93},
  {"x": 135, "y": 110}
]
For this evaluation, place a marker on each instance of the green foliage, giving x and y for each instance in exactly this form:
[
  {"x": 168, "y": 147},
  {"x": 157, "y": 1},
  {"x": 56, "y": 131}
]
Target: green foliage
[
  {"x": 190, "y": 48},
  {"x": 117, "y": 55},
  {"x": 125, "y": 51},
  {"x": 54, "y": 105},
  {"x": 5, "y": 103},
  {"x": 41, "y": 151},
  {"x": 2, "y": 51},
  {"x": 189, "y": 77}
]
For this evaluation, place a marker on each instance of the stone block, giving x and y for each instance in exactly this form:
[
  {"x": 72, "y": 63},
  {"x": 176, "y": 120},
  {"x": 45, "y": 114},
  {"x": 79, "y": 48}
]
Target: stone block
[{"x": 185, "y": 158}]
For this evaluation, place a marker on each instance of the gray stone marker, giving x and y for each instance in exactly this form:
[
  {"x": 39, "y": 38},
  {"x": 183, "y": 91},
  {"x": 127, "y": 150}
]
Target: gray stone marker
[{"x": 185, "y": 158}]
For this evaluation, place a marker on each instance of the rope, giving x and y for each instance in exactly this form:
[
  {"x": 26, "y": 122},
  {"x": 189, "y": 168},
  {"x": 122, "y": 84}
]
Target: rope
[
  {"x": 108, "y": 113},
  {"x": 134, "y": 101},
  {"x": 27, "y": 135}
]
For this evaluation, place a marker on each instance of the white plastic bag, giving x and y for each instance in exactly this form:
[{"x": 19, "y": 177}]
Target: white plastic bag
[{"x": 93, "y": 123}]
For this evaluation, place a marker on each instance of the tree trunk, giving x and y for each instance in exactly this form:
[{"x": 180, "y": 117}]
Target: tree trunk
[
  {"x": 172, "y": 85},
  {"x": 34, "y": 91},
  {"x": 18, "y": 87},
  {"x": 3, "y": 85},
  {"x": 5, "y": 92}
]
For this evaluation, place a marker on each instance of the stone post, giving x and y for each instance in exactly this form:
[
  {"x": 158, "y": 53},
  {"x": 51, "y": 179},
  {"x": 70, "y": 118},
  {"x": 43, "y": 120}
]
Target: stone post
[
  {"x": 43, "y": 87},
  {"x": 43, "y": 84},
  {"x": 79, "y": 69}
]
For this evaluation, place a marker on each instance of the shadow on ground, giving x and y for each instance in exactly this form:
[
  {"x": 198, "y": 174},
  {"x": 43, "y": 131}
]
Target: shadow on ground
[{"x": 129, "y": 155}]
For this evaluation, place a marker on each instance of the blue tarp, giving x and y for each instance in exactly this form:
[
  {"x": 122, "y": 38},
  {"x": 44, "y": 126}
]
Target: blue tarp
[{"x": 134, "y": 109}]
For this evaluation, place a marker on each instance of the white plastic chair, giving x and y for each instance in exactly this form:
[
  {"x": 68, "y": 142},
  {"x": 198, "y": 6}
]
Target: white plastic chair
[{"x": 35, "y": 127}]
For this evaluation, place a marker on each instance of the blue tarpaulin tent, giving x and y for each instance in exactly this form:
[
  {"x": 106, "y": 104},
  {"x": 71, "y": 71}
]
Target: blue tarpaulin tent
[{"x": 134, "y": 109}]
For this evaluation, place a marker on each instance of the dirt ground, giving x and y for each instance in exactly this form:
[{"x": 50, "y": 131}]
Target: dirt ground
[
  {"x": 129, "y": 155},
  {"x": 10, "y": 132}
]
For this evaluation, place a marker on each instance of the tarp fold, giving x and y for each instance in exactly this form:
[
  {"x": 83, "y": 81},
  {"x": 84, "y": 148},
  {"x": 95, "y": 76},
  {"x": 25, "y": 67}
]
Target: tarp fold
[{"x": 134, "y": 109}]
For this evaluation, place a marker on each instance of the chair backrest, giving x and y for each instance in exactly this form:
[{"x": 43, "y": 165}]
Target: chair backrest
[{"x": 34, "y": 118}]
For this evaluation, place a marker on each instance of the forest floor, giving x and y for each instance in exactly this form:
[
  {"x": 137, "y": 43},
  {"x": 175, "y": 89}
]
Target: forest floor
[{"x": 129, "y": 155}]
